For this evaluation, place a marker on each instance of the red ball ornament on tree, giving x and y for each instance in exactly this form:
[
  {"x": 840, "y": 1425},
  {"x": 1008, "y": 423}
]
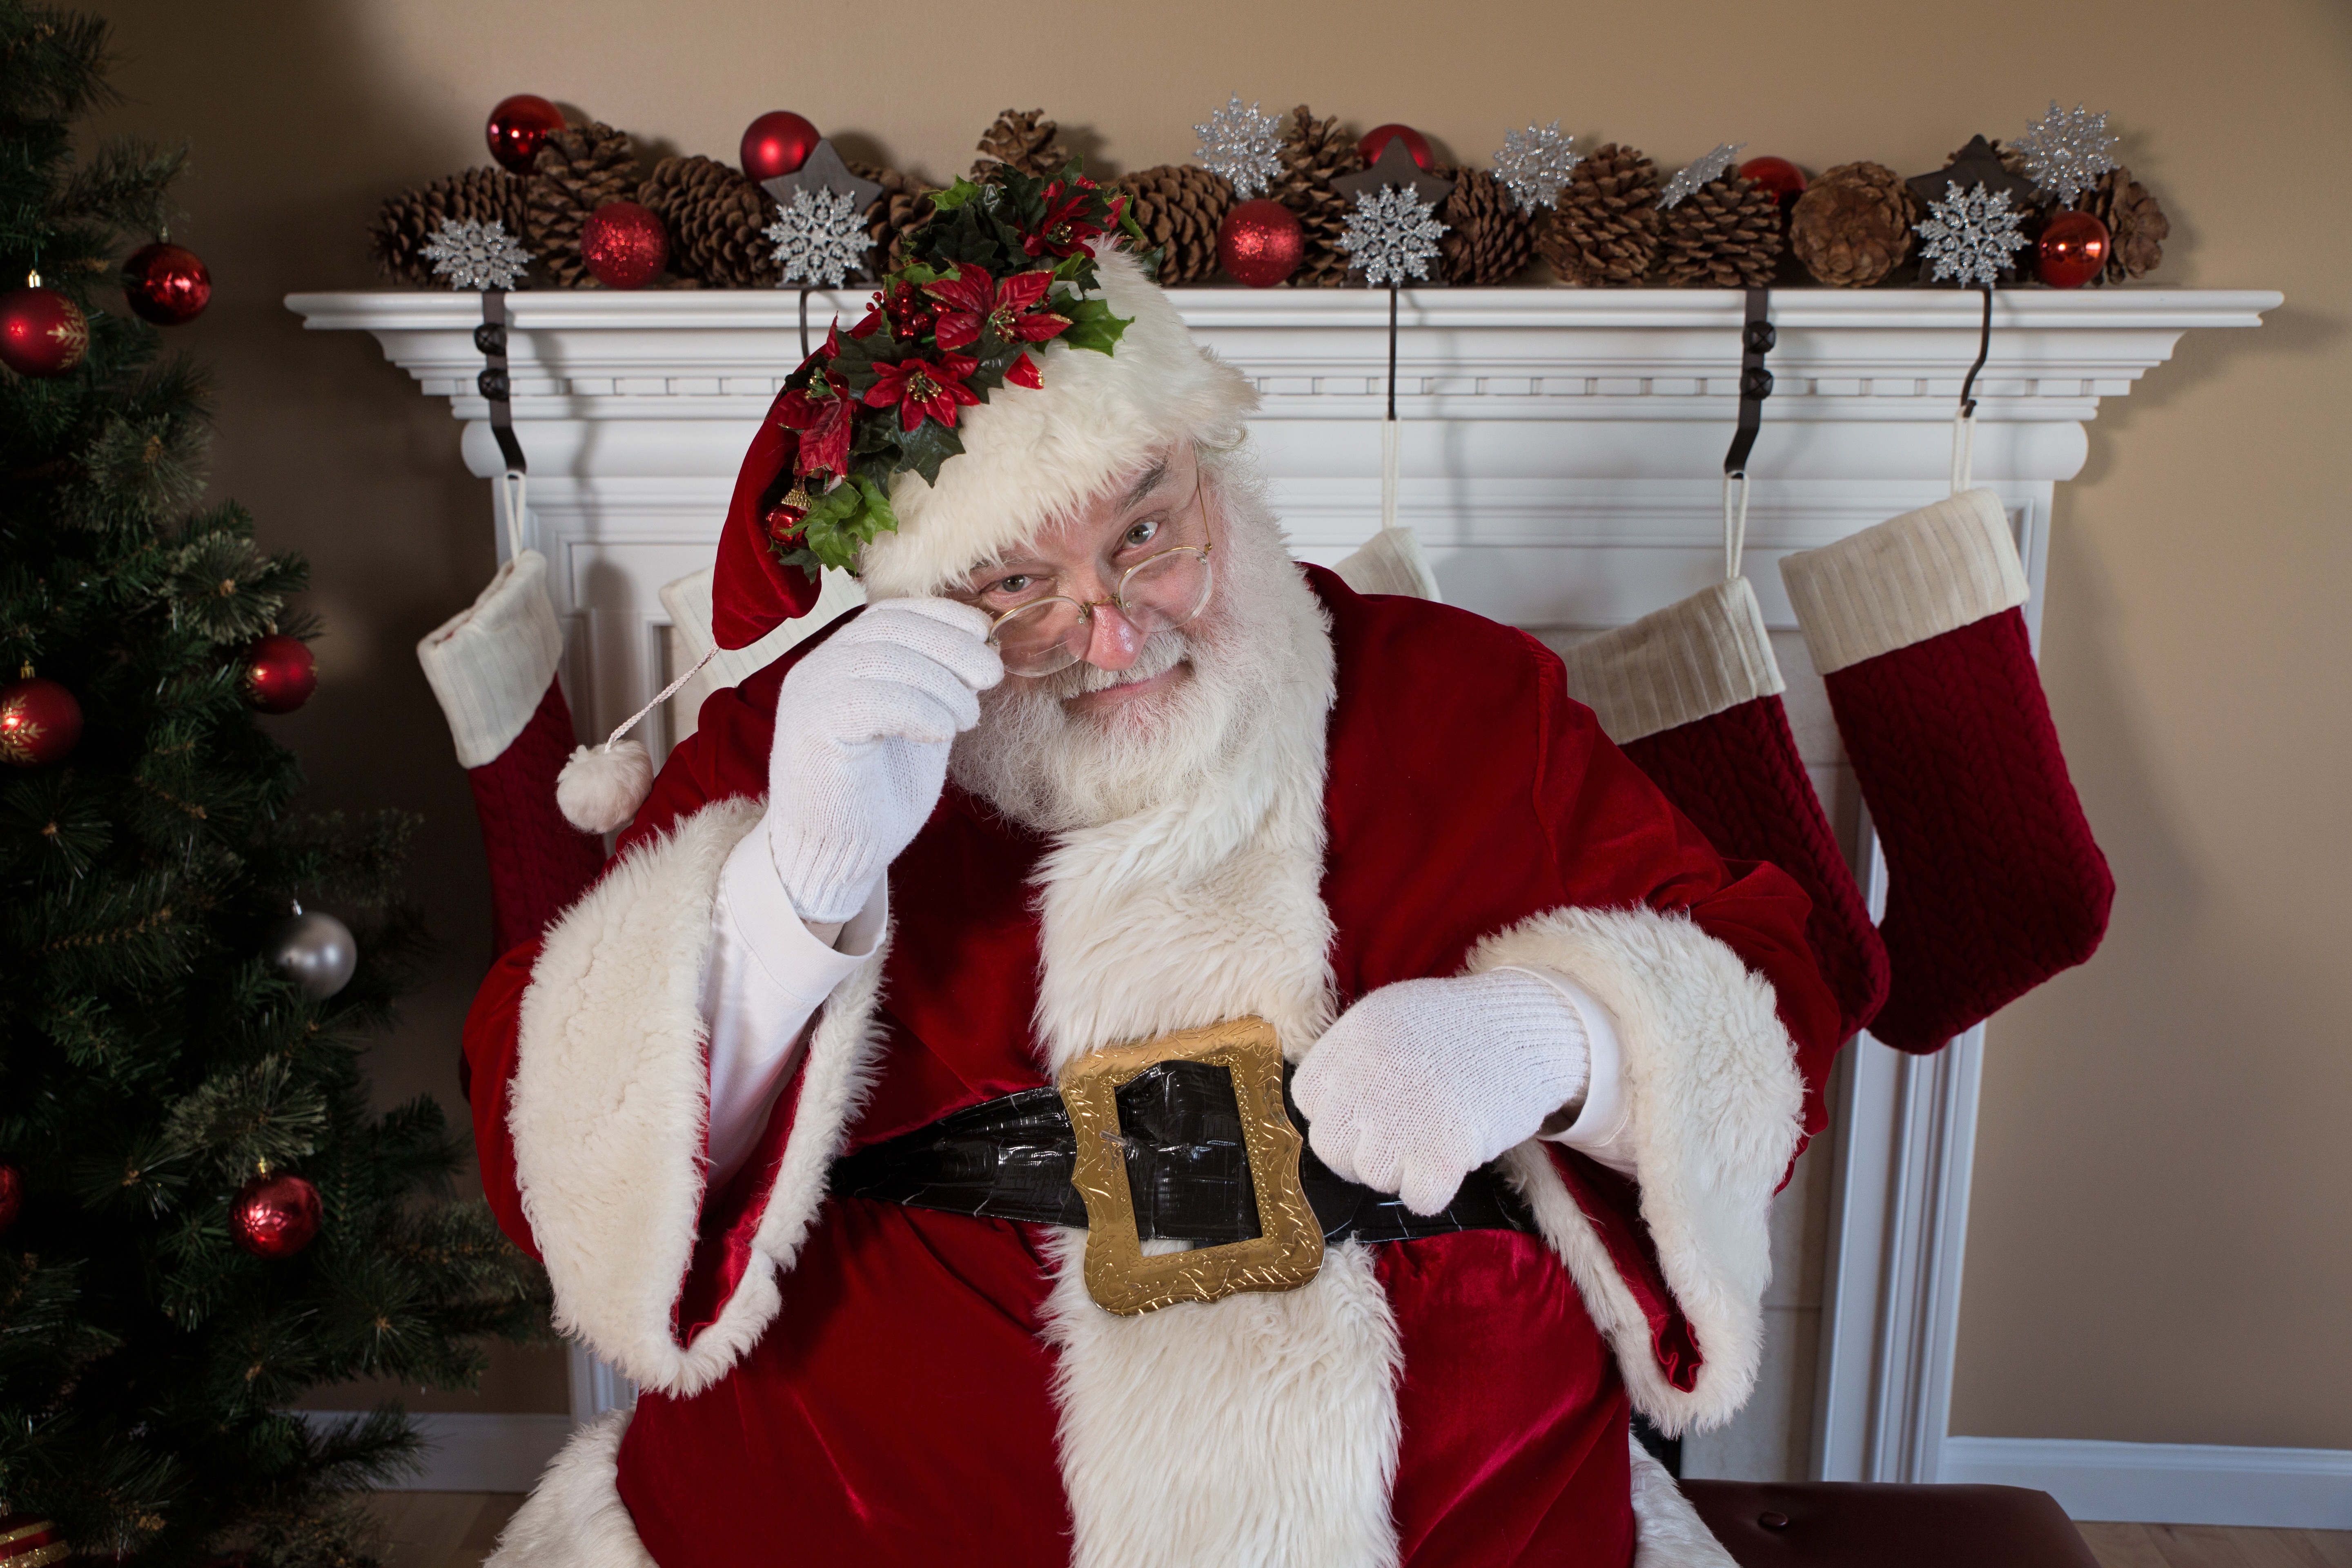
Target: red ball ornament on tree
[
  {"x": 275, "y": 1215},
  {"x": 280, "y": 673},
  {"x": 42, "y": 333},
  {"x": 12, "y": 1195},
  {"x": 625, "y": 245},
  {"x": 39, "y": 721},
  {"x": 1777, "y": 176},
  {"x": 167, "y": 284},
  {"x": 520, "y": 126},
  {"x": 2072, "y": 249},
  {"x": 778, "y": 142},
  {"x": 1377, "y": 138},
  {"x": 1261, "y": 242}
]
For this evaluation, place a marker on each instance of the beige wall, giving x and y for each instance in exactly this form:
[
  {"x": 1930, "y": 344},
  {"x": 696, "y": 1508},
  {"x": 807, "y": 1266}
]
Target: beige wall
[{"x": 2158, "y": 1249}]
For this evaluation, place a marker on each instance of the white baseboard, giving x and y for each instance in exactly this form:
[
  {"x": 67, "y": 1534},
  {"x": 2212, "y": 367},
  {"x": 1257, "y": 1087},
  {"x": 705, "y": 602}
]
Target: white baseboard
[
  {"x": 478, "y": 1453},
  {"x": 2167, "y": 1483}
]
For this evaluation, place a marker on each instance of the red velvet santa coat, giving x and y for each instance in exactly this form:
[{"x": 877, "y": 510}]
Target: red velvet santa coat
[{"x": 844, "y": 1381}]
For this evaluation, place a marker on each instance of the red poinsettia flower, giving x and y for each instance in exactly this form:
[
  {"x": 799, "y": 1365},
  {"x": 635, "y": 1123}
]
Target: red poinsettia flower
[
  {"x": 919, "y": 387},
  {"x": 821, "y": 412},
  {"x": 1023, "y": 374},
  {"x": 1064, "y": 232},
  {"x": 975, "y": 301}
]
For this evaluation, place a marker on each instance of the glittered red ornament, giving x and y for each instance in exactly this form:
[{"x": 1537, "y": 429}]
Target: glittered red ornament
[
  {"x": 167, "y": 284},
  {"x": 275, "y": 1215},
  {"x": 1415, "y": 141},
  {"x": 520, "y": 126},
  {"x": 1777, "y": 176},
  {"x": 42, "y": 333},
  {"x": 2072, "y": 249},
  {"x": 625, "y": 245},
  {"x": 1261, "y": 242},
  {"x": 778, "y": 142},
  {"x": 280, "y": 673},
  {"x": 12, "y": 1195},
  {"x": 39, "y": 721}
]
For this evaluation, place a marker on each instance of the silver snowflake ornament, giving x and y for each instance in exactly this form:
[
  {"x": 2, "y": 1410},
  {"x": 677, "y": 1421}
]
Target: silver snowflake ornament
[
  {"x": 820, "y": 238},
  {"x": 2066, "y": 153},
  {"x": 475, "y": 255},
  {"x": 1535, "y": 164},
  {"x": 1700, "y": 171},
  {"x": 1393, "y": 235},
  {"x": 1243, "y": 145},
  {"x": 1970, "y": 236}
]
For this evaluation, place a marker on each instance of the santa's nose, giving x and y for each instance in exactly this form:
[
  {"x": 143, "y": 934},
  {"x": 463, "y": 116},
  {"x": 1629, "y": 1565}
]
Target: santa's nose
[{"x": 1113, "y": 642}]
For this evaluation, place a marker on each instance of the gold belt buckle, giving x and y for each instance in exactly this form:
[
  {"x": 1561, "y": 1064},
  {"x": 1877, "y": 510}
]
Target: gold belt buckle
[{"x": 1289, "y": 1248}]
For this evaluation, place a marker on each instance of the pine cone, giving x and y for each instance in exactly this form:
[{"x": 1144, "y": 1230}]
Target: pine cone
[
  {"x": 1603, "y": 229},
  {"x": 2137, "y": 226},
  {"x": 1724, "y": 235},
  {"x": 1315, "y": 153},
  {"x": 578, "y": 171},
  {"x": 397, "y": 238},
  {"x": 904, "y": 206},
  {"x": 1853, "y": 225},
  {"x": 715, "y": 217},
  {"x": 1179, "y": 207},
  {"x": 1487, "y": 238},
  {"x": 1026, "y": 140}
]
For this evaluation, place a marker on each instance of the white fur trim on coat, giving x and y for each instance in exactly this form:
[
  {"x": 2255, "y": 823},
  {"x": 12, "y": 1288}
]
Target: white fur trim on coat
[
  {"x": 1032, "y": 455},
  {"x": 610, "y": 1091},
  {"x": 1668, "y": 1531},
  {"x": 575, "y": 1517},
  {"x": 1716, "y": 1102}
]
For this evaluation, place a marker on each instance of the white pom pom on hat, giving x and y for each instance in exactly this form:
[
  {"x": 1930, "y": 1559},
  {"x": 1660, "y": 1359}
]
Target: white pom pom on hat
[{"x": 601, "y": 788}]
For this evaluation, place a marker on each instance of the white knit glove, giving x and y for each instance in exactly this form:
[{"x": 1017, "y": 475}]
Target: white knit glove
[
  {"x": 863, "y": 728},
  {"x": 1422, "y": 1082}
]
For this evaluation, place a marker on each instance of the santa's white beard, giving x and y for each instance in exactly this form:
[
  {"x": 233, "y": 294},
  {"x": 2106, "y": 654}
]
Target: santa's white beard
[{"x": 1058, "y": 768}]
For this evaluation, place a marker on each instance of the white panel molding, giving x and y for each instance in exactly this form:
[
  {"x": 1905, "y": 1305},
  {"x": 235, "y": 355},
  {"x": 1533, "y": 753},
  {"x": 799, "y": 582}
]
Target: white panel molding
[
  {"x": 472, "y": 1452},
  {"x": 1562, "y": 452},
  {"x": 2167, "y": 1483}
]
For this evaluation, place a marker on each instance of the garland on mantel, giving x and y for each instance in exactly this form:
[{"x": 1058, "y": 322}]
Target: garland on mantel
[{"x": 1284, "y": 199}]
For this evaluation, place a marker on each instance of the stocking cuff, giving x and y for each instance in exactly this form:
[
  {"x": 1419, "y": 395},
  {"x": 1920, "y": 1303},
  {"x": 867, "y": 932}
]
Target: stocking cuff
[
  {"x": 491, "y": 663},
  {"x": 1676, "y": 666},
  {"x": 1391, "y": 561},
  {"x": 1911, "y": 578}
]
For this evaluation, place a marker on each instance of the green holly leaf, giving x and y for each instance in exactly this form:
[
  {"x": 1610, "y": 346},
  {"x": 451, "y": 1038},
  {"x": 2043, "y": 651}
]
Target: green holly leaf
[
  {"x": 926, "y": 447},
  {"x": 955, "y": 197},
  {"x": 1092, "y": 326},
  {"x": 852, "y": 514}
]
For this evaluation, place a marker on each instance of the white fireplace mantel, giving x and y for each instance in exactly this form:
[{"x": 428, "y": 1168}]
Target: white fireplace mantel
[{"x": 1561, "y": 460}]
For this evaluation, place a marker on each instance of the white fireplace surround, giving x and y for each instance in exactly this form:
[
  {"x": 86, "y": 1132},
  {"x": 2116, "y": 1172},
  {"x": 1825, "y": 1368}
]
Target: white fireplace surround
[{"x": 1561, "y": 460}]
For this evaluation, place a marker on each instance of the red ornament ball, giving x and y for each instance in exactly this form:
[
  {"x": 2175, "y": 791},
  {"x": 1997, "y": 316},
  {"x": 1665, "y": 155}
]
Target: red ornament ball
[
  {"x": 280, "y": 673},
  {"x": 42, "y": 333},
  {"x": 1261, "y": 242},
  {"x": 1777, "y": 176},
  {"x": 275, "y": 1215},
  {"x": 12, "y": 1195},
  {"x": 167, "y": 284},
  {"x": 1376, "y": 141},
  {"x": 2072, "y": 249},
  {"x": 778, "y": 142},
  {"x": 625, "y": 245},
  {"x": 40, "y": 723},
  {"x": 520, "y": 126}
]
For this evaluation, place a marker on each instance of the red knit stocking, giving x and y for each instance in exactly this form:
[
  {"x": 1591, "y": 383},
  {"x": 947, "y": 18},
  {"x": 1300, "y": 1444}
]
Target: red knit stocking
[
  {"x": 539, "y": 862},
  {"x": 1994, "y": 883}
]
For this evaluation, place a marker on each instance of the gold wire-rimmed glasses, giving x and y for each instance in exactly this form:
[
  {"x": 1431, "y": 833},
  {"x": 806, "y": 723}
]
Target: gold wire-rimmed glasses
[{"x": 1160, "y": 592}]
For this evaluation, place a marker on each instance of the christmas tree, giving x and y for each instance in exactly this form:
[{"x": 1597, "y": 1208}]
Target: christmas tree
[{"x": 170, "y": 1037}]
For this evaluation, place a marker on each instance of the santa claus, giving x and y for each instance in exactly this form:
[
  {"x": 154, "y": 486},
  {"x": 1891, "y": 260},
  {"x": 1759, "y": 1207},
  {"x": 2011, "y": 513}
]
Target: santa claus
[{"x": 914, "y": 1108}]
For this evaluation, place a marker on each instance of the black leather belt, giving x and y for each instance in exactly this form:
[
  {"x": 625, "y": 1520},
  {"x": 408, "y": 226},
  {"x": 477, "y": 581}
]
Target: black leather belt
[{"x": 1187, "y": 1165}]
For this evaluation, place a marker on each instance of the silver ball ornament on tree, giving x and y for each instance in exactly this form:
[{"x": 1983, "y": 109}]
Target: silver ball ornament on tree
[{"x": 314, "y": 949}]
